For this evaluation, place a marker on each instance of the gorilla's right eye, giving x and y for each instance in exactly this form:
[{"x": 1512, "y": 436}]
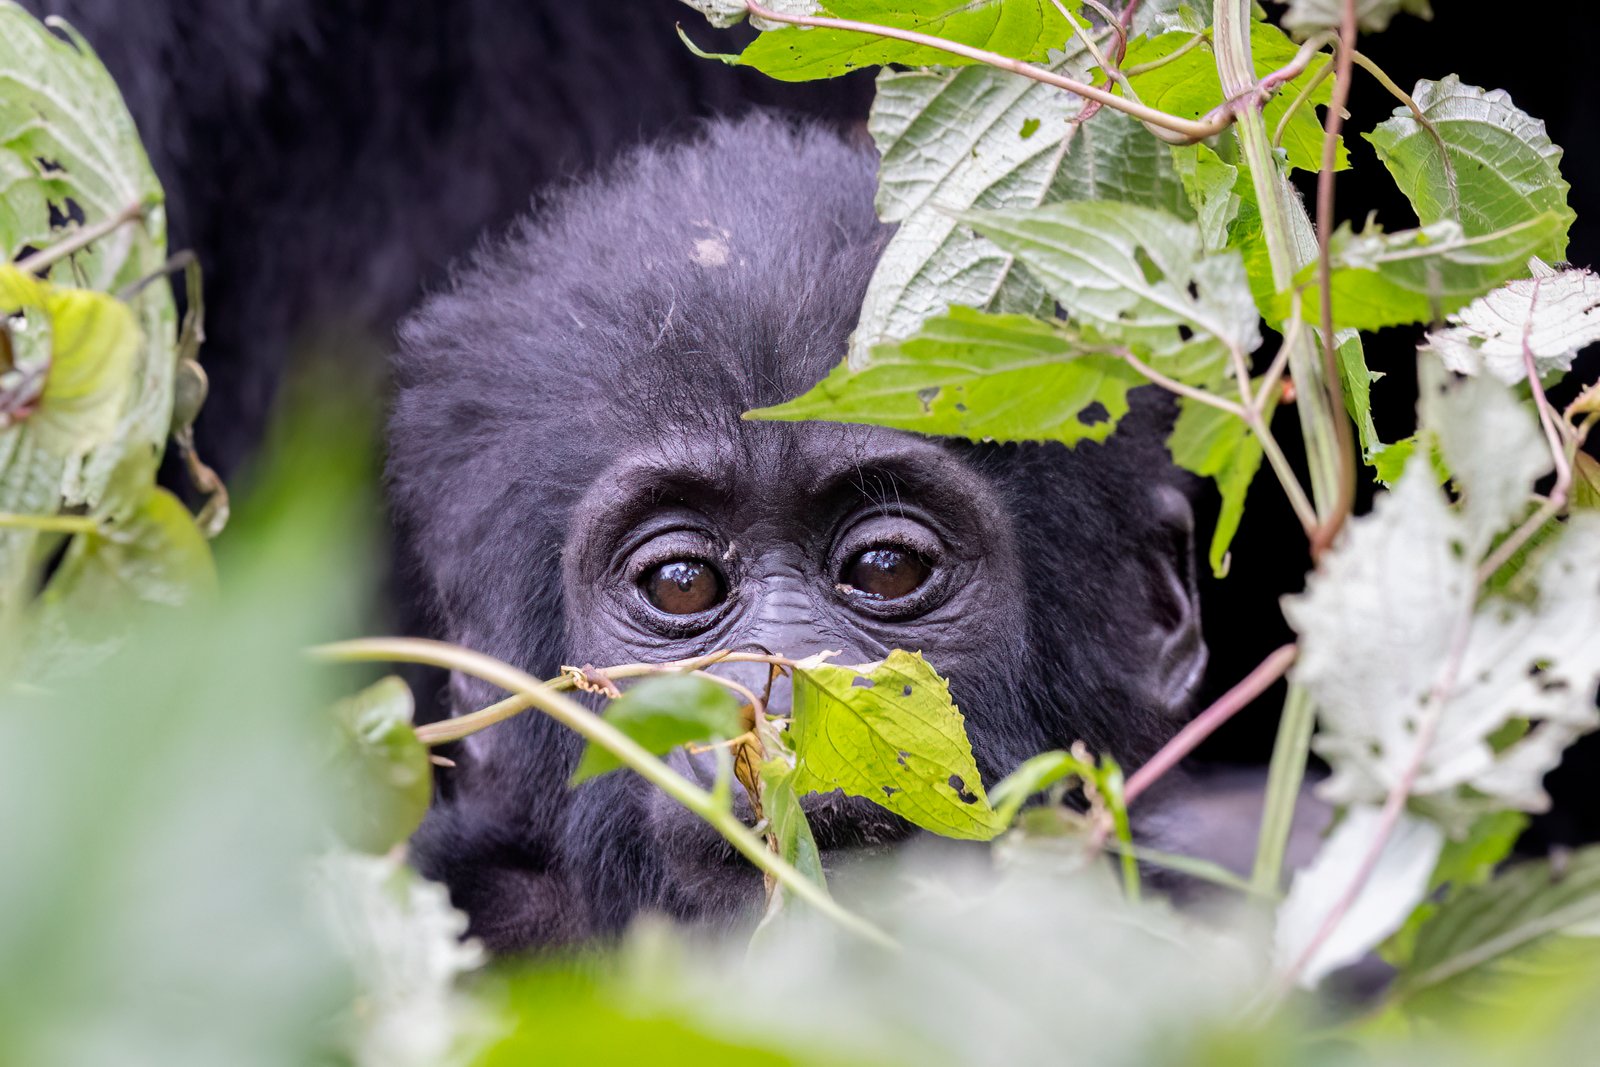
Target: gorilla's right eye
[{"x": 683, "y": 587}]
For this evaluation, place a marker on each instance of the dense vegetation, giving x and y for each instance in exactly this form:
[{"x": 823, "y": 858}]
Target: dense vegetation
[{"x": 203, "y": 864}]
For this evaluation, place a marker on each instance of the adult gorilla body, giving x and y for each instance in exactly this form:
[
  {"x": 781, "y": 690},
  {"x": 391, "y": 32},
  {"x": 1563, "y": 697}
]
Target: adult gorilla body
[{"x": 570, "y": 467}]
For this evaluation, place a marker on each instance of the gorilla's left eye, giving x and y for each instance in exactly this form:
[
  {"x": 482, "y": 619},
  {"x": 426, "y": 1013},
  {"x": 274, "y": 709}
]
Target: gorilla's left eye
[{"x": 886, "y": 572}]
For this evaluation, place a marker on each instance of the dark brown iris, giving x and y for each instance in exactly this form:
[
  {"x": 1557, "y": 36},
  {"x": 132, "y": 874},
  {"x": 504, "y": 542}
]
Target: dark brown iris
[
  {"x": 885, "y": 573},
  {"x": 683, "y": 587}
]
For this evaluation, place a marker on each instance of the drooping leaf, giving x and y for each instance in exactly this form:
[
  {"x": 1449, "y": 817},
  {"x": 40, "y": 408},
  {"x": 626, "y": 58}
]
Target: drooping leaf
[
  {"x": 1022, "y": 29},
  {"x": 786, "y": 821},
  {"x": 1399, "y": 597},
  {"x": 1035, "y": 776},
  {"x": 662, "y": 714},
  {"x": 889, "y": 732},
  {"x": 1217, "y": 444},
  {"x": 1306, "y": 17},
  {"x": 1503, "y": 169},
  {"x": 1129, "y": 275},
  {"x": 1190, "y": 87},
  {"x": 1552, "y": 314},
  {"x": 985, "y": 377},
  {"x": 1532, "y": 917},
  {"x": 1396, "y": 885},
  {"x": 1356, "y": 379},
  {"x": 381, "y": 767},
  {"x": 1391, "y": 279},
  {"x": 1209, "y": 184},
  {"x": 950, "y": 141}
]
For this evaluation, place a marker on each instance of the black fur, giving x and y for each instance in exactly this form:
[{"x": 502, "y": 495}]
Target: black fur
[{"x": 631, "y": 321}]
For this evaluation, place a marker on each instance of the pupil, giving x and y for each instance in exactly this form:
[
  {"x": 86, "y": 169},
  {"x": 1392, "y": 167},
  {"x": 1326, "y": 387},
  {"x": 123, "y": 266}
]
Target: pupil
[
  {"x": 886, "y": 573},
  {"x": 683, "y": 587}
]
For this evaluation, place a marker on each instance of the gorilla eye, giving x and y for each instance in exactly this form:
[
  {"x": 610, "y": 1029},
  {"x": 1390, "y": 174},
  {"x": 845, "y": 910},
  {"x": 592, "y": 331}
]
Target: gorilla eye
[
  {"x": 683, "y": 587},
  {"x": 885, "y": 572}
]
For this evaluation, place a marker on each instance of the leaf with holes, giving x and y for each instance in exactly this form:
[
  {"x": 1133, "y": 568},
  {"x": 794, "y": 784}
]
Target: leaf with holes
[
  {"x": 889, "y": 732},
  {"x": 1551, "y": 315},
  {"x": 1498, "y": 170},
  {"x": 1399, "y": 597},
  {"x": 1137, "y": 277},
  {"x": 985, "y": 377},
  {"x": 1022, "y": 29},
  {"x": 662, "y": 714}
]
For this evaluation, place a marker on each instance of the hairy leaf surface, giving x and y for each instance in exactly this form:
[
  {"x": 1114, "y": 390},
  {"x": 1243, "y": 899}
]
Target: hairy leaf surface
[{"x": 1551, "y": 314}]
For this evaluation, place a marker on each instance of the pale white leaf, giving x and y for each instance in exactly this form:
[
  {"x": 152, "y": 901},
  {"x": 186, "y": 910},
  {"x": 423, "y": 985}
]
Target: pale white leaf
[
  {"x": 1552, "y": 314},
  {"x": 1397, "y": 884},
  {"x": 1306, "y": 17}
]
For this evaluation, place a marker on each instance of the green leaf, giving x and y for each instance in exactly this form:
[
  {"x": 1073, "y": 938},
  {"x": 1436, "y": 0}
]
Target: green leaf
[
  {"x": 950, "y": 141},
  {"x": 662, "y": 714},
  {"x": 985, "y": 377},
  {"x": 1484, "y": 941},
  {"x": 1021, "y": 29},
  {"x": 1133, "y": 276},
  {"x": 380, "y": 767},
  {"x": 1113, "y": 157},
  {"x": 787, "y": 823},
  {"x": 1503, "y": 168},
  {"x": 1384, "y": 279},
  {"x": 1217, "y": 444},
  {"x": 1551, "y": 314},
  {"x": 889, "y": 732},
  {"x": 1189, "y": 87},
  {"x": 1462, "y": 864},
  {"x": 1306, "y": 17},
  {"x": 1209, "y": 183},
  {"x": 1033, "y": 777},
  {"x": 1356, "y": 380}
]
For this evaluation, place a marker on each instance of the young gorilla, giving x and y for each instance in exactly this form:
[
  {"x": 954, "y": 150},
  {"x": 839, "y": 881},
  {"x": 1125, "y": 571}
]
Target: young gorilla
[{"x": 571, "y": 471}]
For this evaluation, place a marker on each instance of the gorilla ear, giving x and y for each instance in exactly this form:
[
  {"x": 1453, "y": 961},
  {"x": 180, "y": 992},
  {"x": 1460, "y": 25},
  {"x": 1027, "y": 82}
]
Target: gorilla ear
[{"x": 1173, "y": 648}]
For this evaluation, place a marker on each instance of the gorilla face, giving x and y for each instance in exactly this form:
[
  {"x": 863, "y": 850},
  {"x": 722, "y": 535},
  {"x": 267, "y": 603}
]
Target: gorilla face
[{"x": 571, "y": 473}]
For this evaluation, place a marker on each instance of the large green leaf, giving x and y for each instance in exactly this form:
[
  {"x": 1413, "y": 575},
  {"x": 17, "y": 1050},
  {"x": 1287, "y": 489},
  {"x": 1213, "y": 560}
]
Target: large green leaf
[
  {"x": 1137, "y": 277},
  {"x": 889, "y": 732},
  {"x": 1190, "y": 87},
  {"x": 1113, "y": 157},
  {"x": 1532, "y": 918},
  {"x": 1210, "y": 185},
  {"x": 1021, "y": 29},
  {"x": 662, "y": 714},
  {"x": 1393, "y": 279},
  {"x": 381, "y": 767},
  {"x": 985, "y": 377},
  {"x": 950, "y": 141},
  {"x": 1503, "y": 169}
]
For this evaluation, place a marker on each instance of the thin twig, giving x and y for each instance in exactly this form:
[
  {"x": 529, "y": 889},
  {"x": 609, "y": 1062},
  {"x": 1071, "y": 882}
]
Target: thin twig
[
  {"x": 1280, "y": 361},
  {"x": 1203, "y": 37},
  {"x": 1206, "y": 723},
  {"x": 70, "y": 524},
  {"x": 1201, "y": 396},
  {"x": 1422, "y": 120},
  {"x": 598, "y": 731},
  {"x": 1345, "y": 496},
  {"x": 79, "y": 239}
]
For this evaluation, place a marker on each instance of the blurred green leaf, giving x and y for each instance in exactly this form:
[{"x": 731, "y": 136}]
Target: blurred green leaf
[
  {"x": 1306, "y": 17},
  {"x": 889, "y": 732},
  {"x": 381, "y": 766},
  {"x": 1462, "y": 864},
  {"x": 1034, "y": 776},
  {"x": 662, "y": 714}
]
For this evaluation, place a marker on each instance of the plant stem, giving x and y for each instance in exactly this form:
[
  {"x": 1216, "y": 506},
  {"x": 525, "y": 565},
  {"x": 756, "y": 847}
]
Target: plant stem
[
  {"x": 1206, "y": 723},
  {"x": 70, "y": 524},
  {"x": 595, "y": 729},
  {"x": 79, "y": 239},
  {"x": 1284, "y": 777},
  {"x": 1198, "y": 395},
  {"x": 1170, "y": 128}
]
